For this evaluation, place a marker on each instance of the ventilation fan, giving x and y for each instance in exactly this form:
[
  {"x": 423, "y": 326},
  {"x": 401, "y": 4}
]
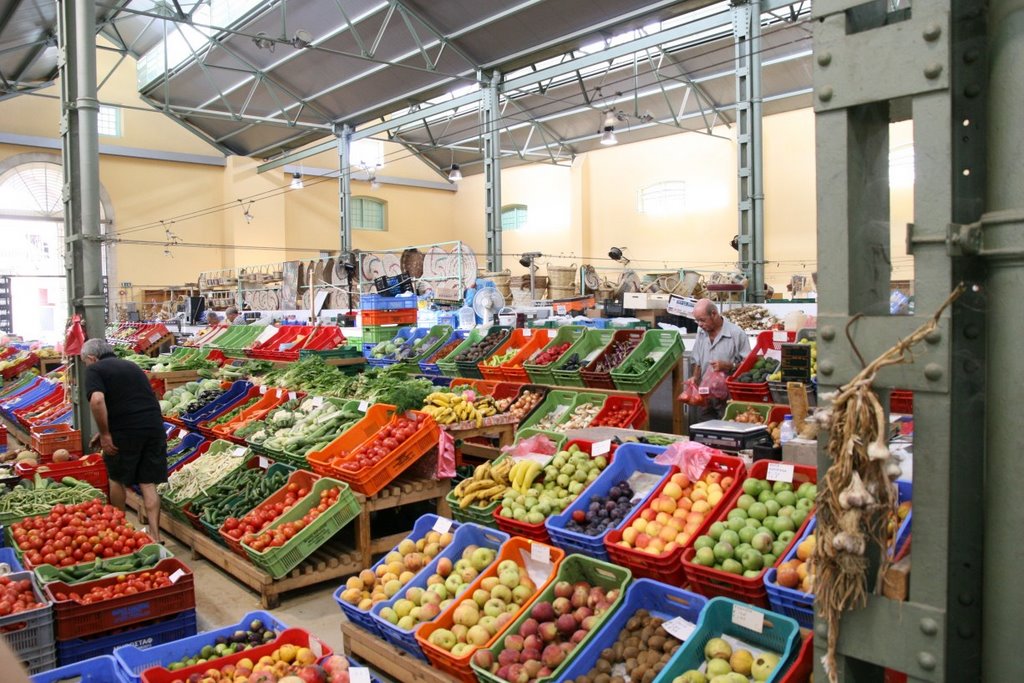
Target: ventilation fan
[{"x": 486, "y": 303}]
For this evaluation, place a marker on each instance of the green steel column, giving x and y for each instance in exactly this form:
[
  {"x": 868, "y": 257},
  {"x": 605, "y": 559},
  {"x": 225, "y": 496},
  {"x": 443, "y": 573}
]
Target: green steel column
[
  {"x": 490, "y": 111},
  {"x": 81, "y": 195},
  {"x": 1003, "y": 247},
  {"x": 345, "y": 187}
]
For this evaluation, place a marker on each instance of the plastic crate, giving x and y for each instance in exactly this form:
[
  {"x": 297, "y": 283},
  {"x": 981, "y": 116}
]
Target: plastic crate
[
  {"x": 72, "y": 620},
  {"x": 572, "y": 569},
  {"x": 714, "y": 582},
  {"x": 517, "y": 550},
  {"x": 401, "y": 316},
  {"x": 234, "y": 392},
  {"x": 292, "y": 636},
  {"x": 429, "y": 366},
  {"x": 9, "y": 557},
  {"x": 370, "y": 480},
  {"x": 47, "y": 573},
  {"x": 212, "y": 448},
  {"x": 757, "y": 392},
  {"x": 803, "y": 663},
  {"x": 213, "y": 530},
  {"x": 376, "y": 302},
  {"x": 629, "y": 459},
  {"x": 667, "y": 345},
  {"x": 377, "y": 416},
  {"x": 582, "y": 398},
  {"x": 375, "y": 334},
  {"x": 541, "y": 374},
  {"x": 181, "y": 625},
  {"x": 658, "y": 599},
  {"x": 667, "y": 567},
  {"x": 40, "y": 660},
  {"x": 535, "y": 340},
  {"x": 901, "y": 401},
  {"x": 279, "y": 561},
  {"x": 270, "y": 399},
  {"x": 423, "y": 526},
  {"x": 555, "y": 401},
  {"x": 636, "y": 418},
  {"x": 89, "y": 468},
  {"x": 189, "y": 445},
  {"x": 792, "y": 602},
  {"x": 517, "y": 340},
  {"x": 780, "y": 393},
  {"x": 779, "y": 634},
  {"x": 300, "y": 457},
  {"x": 586, "y": 348},
  {"x": 734, "y": 408},
  {"x": 466, "y": 535},
  {"x": 32, "y": 630},
  {"x": 602, "y": 379},
  {"x": 472, "y": 368},
  {"x": 46, "y": 440},
  {"x": 102, "y": 669},
  {"x": 206, "y": 427},
  {"x": 134, "y": 660}
]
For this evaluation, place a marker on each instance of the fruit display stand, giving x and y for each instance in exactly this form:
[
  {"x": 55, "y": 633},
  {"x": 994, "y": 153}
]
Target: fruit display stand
[
  {"x": 778, "y": 634},
  {"x": 332, "y": 561},
  {"x": 658, "y": 599}
]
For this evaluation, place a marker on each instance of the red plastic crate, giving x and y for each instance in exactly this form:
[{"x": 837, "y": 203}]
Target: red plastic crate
[
  {"x": 72, "y": 620},
  {"x": 901, "y": 401},
  {"x": 323, "y": 462},
  {"x": 712, "y": 582},
  {"x": 46, "y": 440},
  {"x": 29, "y": 362},
  {"x": 539, "y": 532},
  {"x": 513, "y": 370},
  {"x": 404, "y": 316},
  {"x": 803, "y": 665},
  {"x": 291, "y": 636},
  {"x": 758, "y": 392},
  {"x": 667, "y": 567},
  {"x": 636, "y": 419},
  {"x": 603, "y": 380},
  {"x": 302, "y": 478},
  {"x": 371, "y": 480},
  {"x": 89, "y": 469}
]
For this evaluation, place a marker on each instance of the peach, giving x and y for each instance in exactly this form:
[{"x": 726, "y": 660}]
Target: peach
[
  {"x": 653, "y": 529},
  {"x": 680, "y": 480},
  {"x": 701, "y": 506},
  {"x": 685, "y": 504},
  {"x": 649, "y": 514},
  {"x": 699, "y": 495},
  {"x": 667, "y": 534},
  {"x": 657, "y": 544},
  {"x": 683, "y": 537},
  {"x": 642, "y": 540},
  {"x": 640, "y": 524},
  {"x": 713, "y": 477},
  {"x": 680, "y": 513},
  {"x": 672, "y": 490},
  {"x": 674, "y": 523},
  {"x": 670, "y": 546},
  {"x": 695, "y": 517},
  {"x": 663, "y": 518},
  {"x": 714, "y": 497},
  {"x": 629, "y": 535},
  {"x": 726, "y": 482}
]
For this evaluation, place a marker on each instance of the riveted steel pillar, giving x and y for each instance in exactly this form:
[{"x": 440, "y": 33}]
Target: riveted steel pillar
[
  {"x": 746, "y": 19},
  {"x": 345, "y": 187},
  {"x": 81, "y": 191},
  {"x": 872, "y": 60},
  {"x": 490, "y": 111},
  {"x": 1002, "y": 240}
]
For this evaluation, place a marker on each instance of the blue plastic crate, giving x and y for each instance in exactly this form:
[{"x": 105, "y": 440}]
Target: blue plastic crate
[
  {"x": 421, "y": 528},
  {"x": 218, "y": 405},
  {"x": 467, "y": 534},
  {"x": 629, "y": 458},
  {"x": 659, "y": 599},
  {"x": 103, "y": 669},
  {"x": 779, "y": 634},
  {"x": 792, "y": 602},
  {"x": 8, "y": 556},
  {"x": 134, "y": 660},
  {"x": 376, "y": 302},
  {"x": 181, "y": 625}
]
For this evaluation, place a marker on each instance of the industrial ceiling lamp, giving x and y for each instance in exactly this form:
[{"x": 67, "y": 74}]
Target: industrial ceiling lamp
[
  {"x": 608, "y": 128},
  {"x": 374, "y": 183},
  {"x": 455, "y": 173},
  {"x": 615, "y": 254},
  {"x": 297, "y": 183}
]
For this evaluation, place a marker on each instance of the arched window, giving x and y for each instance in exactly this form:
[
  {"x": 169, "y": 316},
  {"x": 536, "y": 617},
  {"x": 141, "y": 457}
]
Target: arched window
[
  {"x": 32, "y": 223},
  {"x": 666, "y": 198},
  {"x": 513, "y": 217},
  {"x": 369, "y": 214}
]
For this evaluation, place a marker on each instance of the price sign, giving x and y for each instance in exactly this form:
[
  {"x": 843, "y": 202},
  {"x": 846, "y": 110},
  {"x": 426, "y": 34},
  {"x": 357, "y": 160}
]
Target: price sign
[
  {"x": 318, "y": 401},
  {"x": 316, "y": 648},
  {"x": 780, "y": 336},
  {"x": 601, "y": 447},
  {"x": 173, "y": 578},
  {"x": 780, "y": 471},
  {"x": 560, "y": 309},
  {"x": 359, "y": 674},
  {"x": 264, "y": 463},
  {"x": 291, "y": 395},
  {"x": 280, "y": 393},
  {"x": 540, "y": 553},
  {"x": 363, "y": 405},
  {"x": 748, "y": 618},
  {"x": 263, "y": 389},
  {"x": 680, "y": 628},
  {"x": 704, "y": 391},
  {"x": 527, "y": 332},
  {"x": 239, "y": 451},
  {"x": 443, "y": 525},
  {"x": 182, "y": 433}
]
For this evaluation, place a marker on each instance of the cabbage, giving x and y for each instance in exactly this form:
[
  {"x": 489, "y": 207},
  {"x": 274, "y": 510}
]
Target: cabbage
[
  {"x": 191, "y": 387},
  {"x": 165, "y": 406}
]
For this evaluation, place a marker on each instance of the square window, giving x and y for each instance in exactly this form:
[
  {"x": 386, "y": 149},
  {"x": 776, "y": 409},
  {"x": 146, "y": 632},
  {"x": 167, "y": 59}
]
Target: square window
[{"x": 108, "y": 121}]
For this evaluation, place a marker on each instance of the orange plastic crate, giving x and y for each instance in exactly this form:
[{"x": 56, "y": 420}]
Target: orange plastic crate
[
  {"x": 516, "y": 549},
  {"x": 47, "y": 440},
  {"x": 370, "y": 480},
  {"x": 513, "y": 370},
  {"x": 406, "y": 316},
  {"x": 517, "y": 340},
  {"x": 271, "y": 399},
  {"x": 323, "y": 461}
]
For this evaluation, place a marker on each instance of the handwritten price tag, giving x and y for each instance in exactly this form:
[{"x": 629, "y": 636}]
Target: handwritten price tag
[
  {"x": 359, "y": 674},
  {"x": 680, "y": 628},
  {"x": 527, "y": 332},
  {"x": 264, "y": 463},
  {"x": 263, "y": 389},
  {"x": 291, "y": 395},
  {"x": 704, "y": 391},
  {"x": 780, "y": 336},
  {"x": 780, "y": 471},
  {"x": 601, "y": 447},
  {"x": 363, "y": 405},
  {"x": 316, "y": 648},
  {"x": 540, "y": 553},
  {"x": 443, "y": 525},
  {"x": 748, "y": 618},
  {"x": 318, "y": 401},
  {"x": 280, "y": 393},
  {"x": 182, "y": 433},
  {"x": 239, "y": 451},
  {"x": 561, "y": 310},
  {"x": 173, "y": 578}
]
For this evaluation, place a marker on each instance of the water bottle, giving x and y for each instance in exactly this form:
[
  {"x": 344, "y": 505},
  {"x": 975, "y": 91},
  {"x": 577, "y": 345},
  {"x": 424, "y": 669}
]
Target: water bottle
[{"x": 786, "y": 431}]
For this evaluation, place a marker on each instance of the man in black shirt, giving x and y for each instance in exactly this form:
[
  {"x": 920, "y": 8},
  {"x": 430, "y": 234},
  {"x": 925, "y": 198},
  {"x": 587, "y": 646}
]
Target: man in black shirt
[{"x": 131, "y": 432}]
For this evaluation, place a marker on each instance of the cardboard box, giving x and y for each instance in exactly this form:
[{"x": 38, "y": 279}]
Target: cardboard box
[
  {"x": 801, "y": 452},
  {"x": 634, "y": 300}
]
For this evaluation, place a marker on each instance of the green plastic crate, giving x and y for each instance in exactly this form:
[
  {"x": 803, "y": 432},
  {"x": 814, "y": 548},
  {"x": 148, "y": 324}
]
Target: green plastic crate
[
  {"x": 734, "y": 408},
  {"x": 472, "y": 369},
  {"x": 439, "y": 334},
  {"x": 572, "y": 569},
  {"x": 587, "y": 347},
  {"x": 299, "y": 459},
  {"x": 447, "y": 365},
  {"x": 581, "y": 398},
  {"x": 667, "y": 345},
  {"x": 375, "y": 334},
  {"x": 174, "y": 506},
  {"x": 279, "y": 561},
  {"x": 214, "y": 531},
  {"x": 482, "y": 515},
  {"x": 542, "y": 374},
  {"x": 557, "y": 438}
]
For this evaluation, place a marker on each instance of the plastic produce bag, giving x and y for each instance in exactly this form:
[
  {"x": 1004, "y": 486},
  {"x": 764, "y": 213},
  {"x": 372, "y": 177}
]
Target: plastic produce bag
[
  {"x": 714, "y": 382},
  {"x": 691, "y": 395},
  {"x": 538, "y": 444},
  {"x": 445, "y": 456},
  {"x": 689, "y": 456}
]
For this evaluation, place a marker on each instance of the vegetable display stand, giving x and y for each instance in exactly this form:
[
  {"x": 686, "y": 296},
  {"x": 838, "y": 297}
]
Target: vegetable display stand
[
  {"x": 572, "y": 569},
  {"x": 649, "y": 362},
  {"x": 778, "y": 634},
  {"x": 165, "y": 630},
  {"x": 398, "y": 665},
  {"x": 658, "y": 599},
  {"x": 567, "y": 369},
  {"x": 372, "y": 478},
  {"x": 758, "y": 392},
  {"x": 540, "y": 373},
  {"x": 102, "y": 669},
  {"x": 74, "y": 620}
]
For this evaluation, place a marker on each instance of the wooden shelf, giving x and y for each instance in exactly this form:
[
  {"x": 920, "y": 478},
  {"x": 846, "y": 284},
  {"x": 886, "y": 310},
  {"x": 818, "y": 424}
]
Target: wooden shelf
[
  {"x": 384, "y": 657},
  {"x": 402, "y": 491}
]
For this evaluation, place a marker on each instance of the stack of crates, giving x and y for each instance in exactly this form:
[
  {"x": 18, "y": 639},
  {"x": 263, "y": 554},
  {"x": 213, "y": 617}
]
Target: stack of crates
[
  {"x": 29, "y": 634},
  {"x": 383, "y": 317}
]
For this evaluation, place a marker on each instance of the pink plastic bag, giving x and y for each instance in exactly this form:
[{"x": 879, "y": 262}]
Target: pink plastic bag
[
  {"x": 536, "y": 444},
  {"x": 715, "y": 384},
  {"x": 445, "y": 456},
  {"x": 689, "y": 456}
]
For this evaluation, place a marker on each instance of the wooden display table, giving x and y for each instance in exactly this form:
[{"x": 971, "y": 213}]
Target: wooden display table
[
  {"x": 505, "y": 435},
  {"x": 402, "y": 491},
  {"x": 384, "y": 657},
  {"x": 175, "y": 379},
  {"x": 16, "y": 432},
  {"x": 48, "y": 364}
]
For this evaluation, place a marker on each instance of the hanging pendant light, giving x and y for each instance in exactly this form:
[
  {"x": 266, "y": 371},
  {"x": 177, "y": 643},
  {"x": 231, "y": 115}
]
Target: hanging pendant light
[
  {"x": 297, "y": 181},
  {"x": 608, "y": 136},
  {"x": 455, "y": 173}
]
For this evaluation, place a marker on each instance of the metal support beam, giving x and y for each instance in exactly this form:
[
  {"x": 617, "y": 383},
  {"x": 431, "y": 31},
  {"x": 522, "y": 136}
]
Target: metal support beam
[
  {"x": 490, "y": 113},
  {"x": 344, "y": 143},
  {"x": 81, "y": 192},
  {"x": 747, "y": 30}
]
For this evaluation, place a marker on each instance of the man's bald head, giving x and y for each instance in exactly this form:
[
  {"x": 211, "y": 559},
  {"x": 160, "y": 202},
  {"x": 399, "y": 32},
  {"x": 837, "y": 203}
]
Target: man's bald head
[
  {"x": 705, "y": 313},
  {"x": 704, "y": 307}
]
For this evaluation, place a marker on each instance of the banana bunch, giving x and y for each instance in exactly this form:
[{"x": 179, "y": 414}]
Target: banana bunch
[
  {"x": 523, "y": 473},
  {"x": 487, "y": 484},
  {"x": 448, "y": 408}
]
